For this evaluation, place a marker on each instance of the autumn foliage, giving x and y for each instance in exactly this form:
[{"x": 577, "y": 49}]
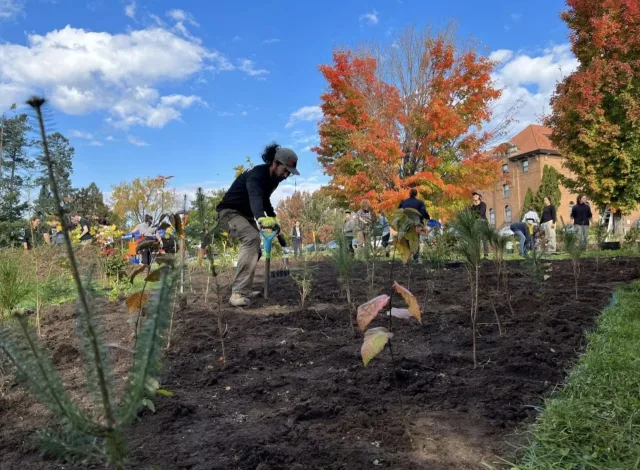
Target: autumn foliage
[
  {"x": 377, "y": 141},
  {"x": 596, "y": 109}
]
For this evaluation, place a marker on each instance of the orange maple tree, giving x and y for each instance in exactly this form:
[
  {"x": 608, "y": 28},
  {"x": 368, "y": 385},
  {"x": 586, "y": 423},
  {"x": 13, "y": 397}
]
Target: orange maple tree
[{"x": 376, "y": 142}]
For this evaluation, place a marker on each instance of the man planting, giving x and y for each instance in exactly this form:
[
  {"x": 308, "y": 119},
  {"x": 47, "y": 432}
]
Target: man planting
[{"x": 246, "y": 200}]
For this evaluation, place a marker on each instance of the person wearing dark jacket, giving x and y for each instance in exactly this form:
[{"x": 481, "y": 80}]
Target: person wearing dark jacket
[
  {"x": 247, "y": 199},
  {"x": 479, "y": 208},
  {"x": 526, "y": 232},
  {"x": 581, "y": 218},
  {"x": 548, "y": 224},
  {"x": 296, "y": 237},
  {"x": 414, "y": 203}
]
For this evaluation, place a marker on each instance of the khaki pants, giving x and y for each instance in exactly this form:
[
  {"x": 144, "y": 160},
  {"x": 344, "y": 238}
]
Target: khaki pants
[
  {"x": 550, "y": 235},
  {"x": 246, "y": 232}
]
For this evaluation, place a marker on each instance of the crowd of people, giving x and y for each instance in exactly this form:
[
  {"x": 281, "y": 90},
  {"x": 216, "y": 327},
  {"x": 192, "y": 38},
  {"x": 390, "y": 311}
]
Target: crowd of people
[{"x": 53, "y": 232}]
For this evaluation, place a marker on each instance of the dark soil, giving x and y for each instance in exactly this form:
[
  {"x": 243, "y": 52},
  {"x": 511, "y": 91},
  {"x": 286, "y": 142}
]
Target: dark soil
[{"x": 295, "y": 395}]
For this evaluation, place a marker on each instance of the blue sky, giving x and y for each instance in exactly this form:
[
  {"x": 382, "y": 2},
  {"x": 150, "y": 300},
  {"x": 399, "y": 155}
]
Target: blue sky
[{"x": 192, "y": 88}]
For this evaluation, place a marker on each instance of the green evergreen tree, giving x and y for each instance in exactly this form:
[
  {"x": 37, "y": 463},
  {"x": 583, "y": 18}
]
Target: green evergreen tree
[
  {"x": 528, "y": 202},
  {"x": 15, "y": 162},
  {"x": 549, "y": 187},
  {"x": 89, "y": 202},
  {"x": 62, "y": 154}
]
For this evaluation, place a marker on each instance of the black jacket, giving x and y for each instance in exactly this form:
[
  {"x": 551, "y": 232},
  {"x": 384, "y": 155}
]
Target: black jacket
[
  {"x": 548, "y": 213},
  {"x": 581, "y": 214},
  {"x": 480, "y": 210},
  {"x": 417, "y": 204},
  {"x": 250, "y": 192},
  {"x": 294, "y": 235}
]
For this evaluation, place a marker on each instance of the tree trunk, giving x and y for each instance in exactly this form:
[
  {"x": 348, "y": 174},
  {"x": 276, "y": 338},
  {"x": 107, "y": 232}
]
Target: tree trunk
[{"x": 617, "y": 222}]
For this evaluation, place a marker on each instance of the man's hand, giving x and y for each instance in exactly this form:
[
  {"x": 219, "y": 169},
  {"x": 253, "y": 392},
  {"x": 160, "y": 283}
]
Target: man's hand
[
  {"x": 267, "y": 222},
  {"x": 282, "y": 240}
]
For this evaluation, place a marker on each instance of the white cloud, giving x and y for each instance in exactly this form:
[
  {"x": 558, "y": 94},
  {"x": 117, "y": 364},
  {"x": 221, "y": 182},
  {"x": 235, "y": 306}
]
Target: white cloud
[
  {"x": 236, "y": 38},
  {"x": 110, "y": 138},
  {"x": 182, "y": 16},
  {"x": 117, "y": 73},
  {"x": 306, "y": 113},
  {"x": 225, "y": 114},
  {"x": 300, "y": 137},
  {"x": 243, "y": 113},
  {"x": 137, "y": 141},
  {"x": 9, "y": 9},
  {"x": 501, "y": 55},
  {"x": 299, "y": 183},
  {"x": 81, "y": 134},
  {"x": 96, "y": 143},
  {"x": 130, "y": 10},
  {"x": 531, "y": 80},
  {"x": 247, "y": 66},
  {"x": 370, "y": 18},
  {"x": 271, "y": 41}
]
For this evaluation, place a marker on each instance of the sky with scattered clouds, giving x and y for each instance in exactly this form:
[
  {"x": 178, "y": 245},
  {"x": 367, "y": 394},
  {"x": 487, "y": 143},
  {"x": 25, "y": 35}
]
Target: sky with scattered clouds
[{"x": 144, "y": 88}]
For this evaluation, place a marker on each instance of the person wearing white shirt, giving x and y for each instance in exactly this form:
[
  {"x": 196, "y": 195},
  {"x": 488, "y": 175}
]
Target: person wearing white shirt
[{"x": 531, "y": 216}]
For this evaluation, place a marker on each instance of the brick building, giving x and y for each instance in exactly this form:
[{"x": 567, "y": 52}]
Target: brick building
[{"x": 522, "y": 164}]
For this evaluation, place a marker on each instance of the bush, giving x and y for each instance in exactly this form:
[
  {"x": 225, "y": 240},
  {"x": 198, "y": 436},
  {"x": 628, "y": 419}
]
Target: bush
[{"x": 14, "y": 287}]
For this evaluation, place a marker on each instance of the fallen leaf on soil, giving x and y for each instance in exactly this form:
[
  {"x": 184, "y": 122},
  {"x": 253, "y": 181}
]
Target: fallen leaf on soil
[
  {"x": 403, "y": 313},
  {"x": 375, "y": 340},
  {"x": 369, "y": 310}
]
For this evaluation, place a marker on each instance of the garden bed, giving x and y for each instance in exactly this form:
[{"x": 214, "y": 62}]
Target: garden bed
[{"x": 295, "y": 395}]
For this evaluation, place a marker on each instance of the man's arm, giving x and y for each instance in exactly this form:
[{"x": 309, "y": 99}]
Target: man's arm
[
  {"x": 483, "y": 210},
  {"x": 85, "y": 230},
  {"x": 553, "y": 214},
  {"x": 424, "y": 213},
  {"x": 572, "y": 217},
  {"x": 256, "y": 197}
]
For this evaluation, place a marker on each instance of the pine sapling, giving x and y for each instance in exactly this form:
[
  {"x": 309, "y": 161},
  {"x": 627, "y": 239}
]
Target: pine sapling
[
  {"x": 303, "y": 279},
  {"x": 344, "y": 263}
]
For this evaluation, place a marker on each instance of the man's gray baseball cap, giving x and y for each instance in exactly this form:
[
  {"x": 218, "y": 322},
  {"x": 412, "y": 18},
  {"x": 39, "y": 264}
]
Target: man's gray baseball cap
[{"x": 288, "y": 159}]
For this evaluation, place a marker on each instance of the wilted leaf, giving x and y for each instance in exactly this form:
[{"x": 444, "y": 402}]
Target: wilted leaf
[
  {"x": 546, "y": 277},
  {"x": 136, "y": 301},
  {"x": 369, "y": 310},
  {"x": 165, "y": 259},
  {"x": 176, "y": 221},
  {"x": 375, "y": 340},
  {"x": 403, "y": 248},
  {"x": 164, "y": 393},
  {"x": 400, "y": 313},
  {"x": 136, "y": 271},
  {"x": 410, "y": 299},
  {"x": 156, "y": 275}
]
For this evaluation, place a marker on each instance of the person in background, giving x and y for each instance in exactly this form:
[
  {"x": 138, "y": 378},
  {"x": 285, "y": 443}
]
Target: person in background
[
  {"x": 248, "y": 199},
  {"x": 581, "y": 218},
  {"x": 296, "y": 236},
  {"x": 146, "y": 232},
  {"x": 531, "y": 216},
  {"x": 479, "y": 208},
  {"x": 412, "y": 202},
  {"x": 363, "y": 223},
  {"x": 383, "y": 223},
  {"x": 85, "y": 235},
  {"x": 347, "y": 230},
  {"x": 548, "y": 224},
  {"x": 524, "y": 232},
  {"x": 34, "y": 234}
]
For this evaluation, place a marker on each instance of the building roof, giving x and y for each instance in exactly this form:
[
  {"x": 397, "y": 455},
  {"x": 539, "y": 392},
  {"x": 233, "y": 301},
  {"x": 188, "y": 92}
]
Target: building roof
[{"x": 533, "y": 138}]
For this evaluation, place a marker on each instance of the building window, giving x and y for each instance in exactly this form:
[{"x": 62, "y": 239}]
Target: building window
[
  {"x": 507, "y": 214},
  {"x": 505, "y": 168},
  {"x": 492, "y": 216},
  {"x": 525, "y": 166},
  {"x": 506, "y": 190}
]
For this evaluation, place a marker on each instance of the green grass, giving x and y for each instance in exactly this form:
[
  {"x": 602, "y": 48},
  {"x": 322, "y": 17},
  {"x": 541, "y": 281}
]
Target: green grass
[{"x": 593, "y": 422}]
